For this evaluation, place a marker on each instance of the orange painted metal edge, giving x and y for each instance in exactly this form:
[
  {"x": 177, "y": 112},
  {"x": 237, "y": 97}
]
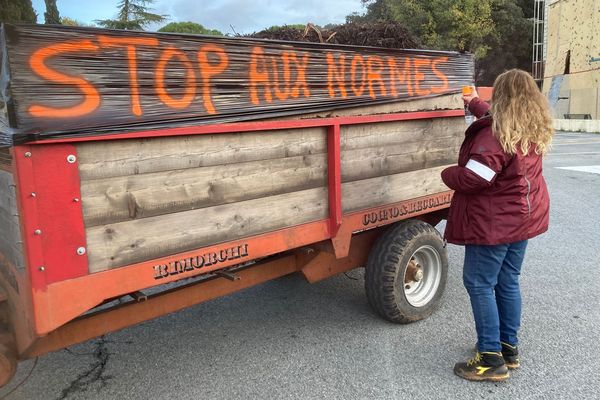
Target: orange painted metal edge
[
  {"x": 114, "y": 319},
  {"x": 325, "y": 264},
  {"x": 63, "y": 301},
  {"x": 386, "y": 214}
]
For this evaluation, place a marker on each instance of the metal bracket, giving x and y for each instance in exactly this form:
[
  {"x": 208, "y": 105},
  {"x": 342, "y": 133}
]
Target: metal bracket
[
  {"x": 227, "y": 275},
  {"x": 138, "y": 296}
]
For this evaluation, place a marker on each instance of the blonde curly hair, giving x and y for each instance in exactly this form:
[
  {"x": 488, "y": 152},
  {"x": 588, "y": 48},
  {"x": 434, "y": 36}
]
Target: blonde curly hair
[{"x": 521, "y": 114}]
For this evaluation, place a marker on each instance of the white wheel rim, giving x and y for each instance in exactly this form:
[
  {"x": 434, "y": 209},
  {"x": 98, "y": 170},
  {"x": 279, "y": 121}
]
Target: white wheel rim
[{"x": 419, "y": 293}]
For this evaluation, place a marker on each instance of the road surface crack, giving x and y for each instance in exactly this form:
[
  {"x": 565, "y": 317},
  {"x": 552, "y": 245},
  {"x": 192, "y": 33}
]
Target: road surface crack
[{"x": 95, "y": 372}]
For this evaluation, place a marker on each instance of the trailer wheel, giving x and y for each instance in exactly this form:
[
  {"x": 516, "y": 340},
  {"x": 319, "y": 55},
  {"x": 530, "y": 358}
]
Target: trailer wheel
[
  {"x": 8, "y": 364},
  {"x": 406, "y": 272}
]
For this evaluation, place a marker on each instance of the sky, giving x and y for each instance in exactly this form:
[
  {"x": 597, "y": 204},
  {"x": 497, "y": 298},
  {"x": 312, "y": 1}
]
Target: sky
[{"x": 246, "y": 16}]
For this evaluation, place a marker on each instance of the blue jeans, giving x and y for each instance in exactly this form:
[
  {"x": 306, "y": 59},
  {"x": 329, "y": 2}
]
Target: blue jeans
[{"x": 491, "y": 277}]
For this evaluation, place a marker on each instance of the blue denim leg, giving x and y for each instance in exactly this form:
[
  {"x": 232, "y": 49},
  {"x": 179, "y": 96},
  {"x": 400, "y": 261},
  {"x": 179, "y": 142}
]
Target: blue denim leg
[
  {"x": 508, "y": 293},
  {"x": 480, "y": 277}
]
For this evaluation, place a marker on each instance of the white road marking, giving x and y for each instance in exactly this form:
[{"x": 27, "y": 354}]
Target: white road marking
[
  {"x": 575, "y": 154},
  {"x": 573, "y": 143},
  {"x": 593, "y": 169}
]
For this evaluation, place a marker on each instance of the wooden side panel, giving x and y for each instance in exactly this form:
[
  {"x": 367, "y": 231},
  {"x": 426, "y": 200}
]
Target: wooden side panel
[
  {"x": 133, "y": 241},
  {"x": 147, "y": 198},
  {"x": 5, "y": 158},
  {"x": 10, "y": 233},
  {"x": 133, "y": 157},
  {"x": 368, "y": 151}
]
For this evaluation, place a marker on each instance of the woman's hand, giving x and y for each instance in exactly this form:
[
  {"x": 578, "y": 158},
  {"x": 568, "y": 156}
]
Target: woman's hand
[{"x": 470, "y": 96}]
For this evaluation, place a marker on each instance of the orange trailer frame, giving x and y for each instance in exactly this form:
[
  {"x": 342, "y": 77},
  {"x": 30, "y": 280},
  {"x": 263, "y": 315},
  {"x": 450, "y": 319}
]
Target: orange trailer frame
[{"x": 48, "y": 303}]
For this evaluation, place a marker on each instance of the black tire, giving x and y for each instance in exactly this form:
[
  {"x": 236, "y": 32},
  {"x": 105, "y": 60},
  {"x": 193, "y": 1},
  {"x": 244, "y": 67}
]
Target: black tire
[{"x": 388, "y": 263}]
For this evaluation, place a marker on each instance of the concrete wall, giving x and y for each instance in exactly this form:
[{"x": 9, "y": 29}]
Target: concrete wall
[{"x": 573, "y": 39}]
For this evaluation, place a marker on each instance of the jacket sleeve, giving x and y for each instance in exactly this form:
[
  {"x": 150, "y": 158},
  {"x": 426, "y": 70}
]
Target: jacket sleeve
[
  {"x": 486, "y": 161},
  {"x": 478, "y": 107}
]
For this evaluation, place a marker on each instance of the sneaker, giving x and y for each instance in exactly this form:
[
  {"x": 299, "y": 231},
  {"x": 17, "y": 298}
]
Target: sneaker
[
  {"x": 511, "y": 356},
  {"x": 485, "y": 366}
]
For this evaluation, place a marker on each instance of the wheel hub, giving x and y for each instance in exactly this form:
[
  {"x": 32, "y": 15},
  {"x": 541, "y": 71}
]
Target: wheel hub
[{"x": 422, "y": 276}]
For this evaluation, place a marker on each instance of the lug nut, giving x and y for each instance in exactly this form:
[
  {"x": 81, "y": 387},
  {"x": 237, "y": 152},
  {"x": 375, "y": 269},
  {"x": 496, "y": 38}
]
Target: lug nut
[{"x": 418, "y": 275}]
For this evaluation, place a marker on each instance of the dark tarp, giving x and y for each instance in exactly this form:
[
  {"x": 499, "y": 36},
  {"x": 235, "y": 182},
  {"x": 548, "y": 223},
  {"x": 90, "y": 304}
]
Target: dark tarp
[{"x": 65, "y": 81}]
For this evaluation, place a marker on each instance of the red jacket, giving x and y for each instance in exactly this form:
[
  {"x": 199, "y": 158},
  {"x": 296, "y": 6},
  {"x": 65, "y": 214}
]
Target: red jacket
[{"x": 499, "y": 198}]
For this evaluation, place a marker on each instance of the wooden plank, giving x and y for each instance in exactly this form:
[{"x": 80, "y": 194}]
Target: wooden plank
[
  {"x": 8, "y": 196},
  {"x": 390, "y": 133},
  {"x": 394, "y": 160},
  {"x": 131, "y": 157},
  {"x": 5, "y": 157},
  {"x": 133, "y": 241},
  {"x": 391, "y": 188},
  {"x": 446, "y": 102},
  {"x": 13, "y": 252},
  {"x": 118, "y": 199},
  {"x": 10, "y": 239},
  {"x": 121, "y": 198},
  {"x": 10, "y": 231},
  {"x": 106, "y": 159},
  {"x": 139, "y": 240},
  {"x": 368, "y": 151}
]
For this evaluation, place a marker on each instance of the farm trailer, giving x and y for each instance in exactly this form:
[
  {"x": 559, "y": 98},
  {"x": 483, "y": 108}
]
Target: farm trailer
[{"x": 90, "y": 218}]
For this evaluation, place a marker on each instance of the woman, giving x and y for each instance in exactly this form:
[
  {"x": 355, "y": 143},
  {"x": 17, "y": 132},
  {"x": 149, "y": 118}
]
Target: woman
[{"x": 500, "y": 202}]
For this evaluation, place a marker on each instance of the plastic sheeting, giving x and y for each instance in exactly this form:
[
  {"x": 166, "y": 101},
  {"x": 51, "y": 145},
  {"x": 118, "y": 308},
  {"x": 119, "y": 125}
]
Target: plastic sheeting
[{"x": 57, "y": 81}]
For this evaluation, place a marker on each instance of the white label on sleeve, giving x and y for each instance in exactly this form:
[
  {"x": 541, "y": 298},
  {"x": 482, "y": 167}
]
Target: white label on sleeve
[{"x": 481, "y": 170}]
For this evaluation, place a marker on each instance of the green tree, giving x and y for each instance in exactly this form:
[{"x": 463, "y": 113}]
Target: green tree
[
  {"x": 51, "y": 15},
  {"x": 440, "y": 24},
  {"x": 509, "y": 44},
  {"x": 17, "y": 11},
  {"x": 73, "y": 22},
  {"x": 497, "y": 32},
  {"x": 133, "y": 15},
  {"x": 189, "y": 27},
  {"x": 299, "y": 27}
]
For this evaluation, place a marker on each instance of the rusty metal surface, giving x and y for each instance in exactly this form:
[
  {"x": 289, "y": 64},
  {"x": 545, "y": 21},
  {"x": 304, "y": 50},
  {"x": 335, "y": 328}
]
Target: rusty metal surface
[
  {"x": 325, "y": 264},
  {"x": 58, "y": 81}
]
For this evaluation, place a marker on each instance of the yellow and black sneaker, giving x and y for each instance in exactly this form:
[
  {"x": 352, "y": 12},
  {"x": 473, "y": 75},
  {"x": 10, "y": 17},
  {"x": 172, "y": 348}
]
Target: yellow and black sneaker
[
  {"x": 511, "y": 356},
  {"x": 485, "y": 366}
]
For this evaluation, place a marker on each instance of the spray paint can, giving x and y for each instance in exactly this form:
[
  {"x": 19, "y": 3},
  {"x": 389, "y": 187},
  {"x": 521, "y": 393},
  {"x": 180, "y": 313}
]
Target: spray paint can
[{"x": 469, "y": 118}]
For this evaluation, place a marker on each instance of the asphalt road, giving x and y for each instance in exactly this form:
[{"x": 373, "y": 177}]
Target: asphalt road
[{"x": 288, "y": 339}]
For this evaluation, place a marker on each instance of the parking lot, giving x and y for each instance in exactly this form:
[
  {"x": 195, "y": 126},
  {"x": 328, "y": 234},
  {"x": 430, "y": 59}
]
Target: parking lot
[{"x": 290, "y": 339}]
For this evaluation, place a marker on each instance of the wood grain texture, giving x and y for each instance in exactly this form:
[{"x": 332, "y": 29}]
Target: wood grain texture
[
  {"x": 140, "y": 196},
  {"x": 446, "y": 102},
  {"x": 118, "y": 199},
  {"x": 139, "y": 240},
  {"x": 10, "y": 231},
  {"x": 368, "y": 151},
  {"x": 107, "y": 159},
  {"x": 391, "y": 188},
  {"x": 149, "y": 198},
  {"x": 5, "y": 157}
]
